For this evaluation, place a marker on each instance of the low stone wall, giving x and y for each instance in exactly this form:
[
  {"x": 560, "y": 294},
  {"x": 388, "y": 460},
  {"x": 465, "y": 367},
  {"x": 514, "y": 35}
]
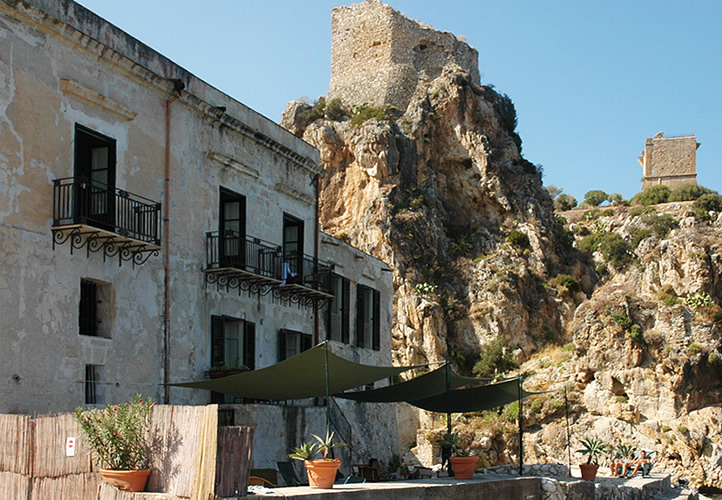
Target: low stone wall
[{"x": 542, "y": 470}]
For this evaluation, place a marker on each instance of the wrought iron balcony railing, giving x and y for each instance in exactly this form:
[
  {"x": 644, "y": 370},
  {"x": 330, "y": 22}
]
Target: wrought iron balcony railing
[
  {"x": 232, "y": 250},
  {"x": 78, "y": 200},
  {"x": 304, "y": 270}
]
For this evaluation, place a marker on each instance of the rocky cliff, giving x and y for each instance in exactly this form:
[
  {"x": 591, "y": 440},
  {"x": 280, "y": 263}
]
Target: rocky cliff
[{"x": 614, "y": 313}]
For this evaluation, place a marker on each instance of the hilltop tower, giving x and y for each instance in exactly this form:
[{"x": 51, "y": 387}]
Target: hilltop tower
[
  {"x": 379, "y": 56},
  {"x": 671, "y": 161}
]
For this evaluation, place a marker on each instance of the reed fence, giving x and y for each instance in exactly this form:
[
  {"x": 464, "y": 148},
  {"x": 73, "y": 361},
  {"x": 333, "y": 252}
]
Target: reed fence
[{"x": 191, "y": 458}]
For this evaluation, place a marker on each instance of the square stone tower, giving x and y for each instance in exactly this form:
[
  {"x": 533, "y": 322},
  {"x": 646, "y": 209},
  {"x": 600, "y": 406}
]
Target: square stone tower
[
  {"x": 379, "y": 57},
  {"x": 671, "y": 161}
]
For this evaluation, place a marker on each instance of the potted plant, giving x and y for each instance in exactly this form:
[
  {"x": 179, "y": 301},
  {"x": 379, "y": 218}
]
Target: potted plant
[
  {"x": 321, "y": 472},
  {"x": 463, "y": 464},
  {"x": 118, "y": 437},
  {"x": 592, "y": 447}
]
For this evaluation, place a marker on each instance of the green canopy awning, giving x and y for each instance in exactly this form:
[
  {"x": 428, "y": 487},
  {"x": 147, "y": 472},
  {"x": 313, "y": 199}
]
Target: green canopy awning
[
  {"x": 473, "y": 399},
  {"x": 300, "y": 377},
  {"x": 423, "y": 386}
]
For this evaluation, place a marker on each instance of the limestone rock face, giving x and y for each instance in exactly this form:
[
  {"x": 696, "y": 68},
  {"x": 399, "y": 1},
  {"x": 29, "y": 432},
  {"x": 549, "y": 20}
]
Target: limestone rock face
[{"x": 435, "y": 192}]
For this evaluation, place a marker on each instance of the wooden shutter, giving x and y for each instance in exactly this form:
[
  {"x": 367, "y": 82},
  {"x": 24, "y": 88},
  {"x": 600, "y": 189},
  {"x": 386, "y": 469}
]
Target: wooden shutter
[
  {"x": 282, "y": 344},
  {"x": 360, "y": 315},
  {"x": 217, "y": 343},
  {"x": 345, "y": 310},
  {"x": 249, "y": 345},
  {"x": 306, "y": 342},
  {"x": 376, "y": 340}
]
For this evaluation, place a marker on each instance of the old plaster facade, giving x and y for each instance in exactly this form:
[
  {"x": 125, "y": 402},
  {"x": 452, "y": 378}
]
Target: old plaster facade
[
  {"x": 670, "y": 161},
  {"x": 154, "y": 230},
  {"x": 379, "y": 56}
]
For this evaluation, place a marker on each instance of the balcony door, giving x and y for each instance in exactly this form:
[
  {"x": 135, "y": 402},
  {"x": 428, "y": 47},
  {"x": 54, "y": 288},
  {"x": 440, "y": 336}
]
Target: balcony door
[
  {"x": 232, "y": 229},
  {"x": 94, "y": 179},
  {"x": 292, "y": 249}
]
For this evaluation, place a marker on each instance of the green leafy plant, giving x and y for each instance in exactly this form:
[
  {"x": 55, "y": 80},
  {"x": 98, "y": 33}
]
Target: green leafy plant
[
  {"x": 652, "y": 196},
  {"x": 698, "y": 299},
  {"x": 118, "y": 435},
  {"x": 595, "y": 197},
  {"x": 689, "y": 192},
  {"x": 325, "y": 444},
  {"x": 625, "y": 450},
  {"x": 517, "y": 239},
  {"x": 453, "y": 441},
  {"x": 307, "y": 451},
  {"x": 495, "y": 359},
  {"x": 422, "y": 289},
  {"x": 594, "y": 448}
]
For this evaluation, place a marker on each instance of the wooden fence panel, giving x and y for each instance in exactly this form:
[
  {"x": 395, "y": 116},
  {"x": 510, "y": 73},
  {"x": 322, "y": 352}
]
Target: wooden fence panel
[
  {"x": 48, "y": 449},
  {"x": 233, "y": 462},
  {"x": 176, "y": 435},
  {"x": 14, "y": 485},
  {"x": 68, "y": 487},
  {"x": 206, "y": 465},
  {"x": 15, "y": 438}
]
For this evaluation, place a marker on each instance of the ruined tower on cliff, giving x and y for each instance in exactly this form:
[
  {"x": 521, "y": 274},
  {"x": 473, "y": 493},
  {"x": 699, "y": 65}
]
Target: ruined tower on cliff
[
  {"x": 379, "y": 57},
  {"x": 670, "y": 161}
]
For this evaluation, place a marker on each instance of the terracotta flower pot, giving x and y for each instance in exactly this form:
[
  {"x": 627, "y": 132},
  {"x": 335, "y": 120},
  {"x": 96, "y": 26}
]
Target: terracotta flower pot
[
  {"x": 127, "y": 480},
  {"x": 589, "y": 471},
  {"x": 321, "y": 473},
  {"x": 463, "y": 467}
]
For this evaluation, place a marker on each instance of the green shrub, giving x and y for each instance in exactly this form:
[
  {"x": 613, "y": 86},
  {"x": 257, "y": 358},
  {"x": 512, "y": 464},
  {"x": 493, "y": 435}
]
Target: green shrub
[
  {"x": 517, "y": 238},
  {"x": 639, "y": 235},
  {"x": 624, "y": 321},
  {"x": 334, "y": 110},
  {"x": 636, "y": 334},
  {"x": 682, "y": 429},
  {"x": 590, "y": 214},
  {"x": 569, "y": 347},
  {"x": 567, "y": 281},
  {"x": 595, "y": 197},
  {"x": 652, "y": 196},
  {"x": 590, "y": 243},
  {"x": 708, "y": 203},
  {"x": 622, "y": 399},
  {"x": 422, "y": 289},
  {"x": 614, "y": 249},
  {"x": 698, "y": 299},
  {"x": 564, "y": 202},
  {"x": 694, "y": 348},
  {"x": 689, "y": 192},
  {"x": 495, "y": 359},
  {"x": 666, "y": 428},
  {"x": 364, "y": 112},
  {"x": 712, "y": 358},
  {"x": 511, "y": 411},
  {"x": 667, "y": 295},
  {"x": 661, "y": 224}
]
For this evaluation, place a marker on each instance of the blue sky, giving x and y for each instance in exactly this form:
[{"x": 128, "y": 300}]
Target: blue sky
[{"x": 590, "y": 80}]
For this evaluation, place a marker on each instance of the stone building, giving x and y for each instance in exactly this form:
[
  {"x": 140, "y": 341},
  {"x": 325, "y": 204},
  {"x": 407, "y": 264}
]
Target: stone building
[
  {"x": 155, "y": 230},
  {"x": 379, "y": 56},
  {"x": 670, "y": 161}
]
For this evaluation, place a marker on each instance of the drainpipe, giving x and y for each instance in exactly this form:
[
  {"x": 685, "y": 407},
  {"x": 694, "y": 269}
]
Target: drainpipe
[
  {"x": 166, "y": 253},
  {"x": 316, "y": 236}
]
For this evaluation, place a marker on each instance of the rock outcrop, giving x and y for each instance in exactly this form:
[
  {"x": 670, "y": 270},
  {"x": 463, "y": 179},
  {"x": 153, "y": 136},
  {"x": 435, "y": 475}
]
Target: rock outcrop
[{"x": 441, "y": 192}]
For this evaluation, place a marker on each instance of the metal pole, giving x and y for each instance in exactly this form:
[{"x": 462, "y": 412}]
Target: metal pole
[
  {"x": 521, "y": 434},
  {"x": 328, "y": 390},
  {"x": 448, "y": 395},
  {"x": 566, "y": 413}
]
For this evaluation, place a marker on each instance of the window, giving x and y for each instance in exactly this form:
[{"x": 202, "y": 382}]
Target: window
[
  {"x": 232, "y": 228},
  {"x": 368, "y": 331},
  {"x": 292, "y": 343},
  {"x": 93, "y": 381},
  {"x": 233, "y": 343},
  {"x": 95, "y": 175},
  {"x": 94, "y": 311},
  {"x": 338, "y": 310},
  {"x": 292, "y": 249}
]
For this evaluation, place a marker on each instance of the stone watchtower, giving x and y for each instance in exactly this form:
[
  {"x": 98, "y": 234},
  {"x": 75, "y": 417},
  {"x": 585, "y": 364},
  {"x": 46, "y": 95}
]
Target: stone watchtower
[
  {"x": 671, "y": 161},
  {"x": 379, "y": 57}
]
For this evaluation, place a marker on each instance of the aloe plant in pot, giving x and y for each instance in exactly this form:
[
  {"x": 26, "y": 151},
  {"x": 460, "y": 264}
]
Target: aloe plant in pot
[
  {"x": 321, "y": 472},
  {"x": 593, "y": 448}
]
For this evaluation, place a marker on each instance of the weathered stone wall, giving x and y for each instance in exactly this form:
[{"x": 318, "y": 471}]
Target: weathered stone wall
[
  {"x": 670, "y": 161},
  {"x": 379, "y": 56},
  {"x": 54, "y": 74}
]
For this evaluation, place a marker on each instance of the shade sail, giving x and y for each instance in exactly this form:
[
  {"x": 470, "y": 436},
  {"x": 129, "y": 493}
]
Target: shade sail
[
  {"x": 300, "y": 377},
  {"x": 423, "y": 386},
  {"x": 481, "y": 398}
]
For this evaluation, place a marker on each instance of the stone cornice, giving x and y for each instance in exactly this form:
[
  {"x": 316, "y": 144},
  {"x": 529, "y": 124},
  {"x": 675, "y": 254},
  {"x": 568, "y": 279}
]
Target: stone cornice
[
  {"x": 234, "y": 164},
  {"x": 90, "y": 96},
  {"x": 293, "y": 193}
]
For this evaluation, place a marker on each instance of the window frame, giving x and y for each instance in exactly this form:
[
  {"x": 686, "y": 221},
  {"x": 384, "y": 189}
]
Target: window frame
[
  {"x": 368, "y": 300},
  {"x": 305, "y": 342},
  {"x": 90, "y": 194},
  {"x": 344, "y": 307}
]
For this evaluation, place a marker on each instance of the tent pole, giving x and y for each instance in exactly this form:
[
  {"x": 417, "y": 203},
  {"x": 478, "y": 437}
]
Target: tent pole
[
  {"x": 328, "y": 391},
  {"x": 566, "y": 414},
  {"x": 521, "y": 434},
  {"x": 448, "y": 395}
]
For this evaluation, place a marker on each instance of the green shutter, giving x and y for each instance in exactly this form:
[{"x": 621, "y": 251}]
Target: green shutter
[
  {"x": 249, "y": 345},
  {"x": 345, "y": 310},
  {"x": 217, "y": 354},
  {"x": 376, "y": 341}
]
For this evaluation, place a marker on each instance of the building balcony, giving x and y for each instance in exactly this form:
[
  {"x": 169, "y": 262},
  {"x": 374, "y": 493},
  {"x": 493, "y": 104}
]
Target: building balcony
[
  {"x": 91, "y": 215},
  {"x": 247, "y": 263}
]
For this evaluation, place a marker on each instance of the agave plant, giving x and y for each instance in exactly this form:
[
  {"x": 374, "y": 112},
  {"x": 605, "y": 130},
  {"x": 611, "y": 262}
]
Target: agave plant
[
  {"x": 625, "y": 450},
  {"x": 307, "y": 451},
  {"x": 325, "y": 445},
  {"x": 593, "y": 447}
]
